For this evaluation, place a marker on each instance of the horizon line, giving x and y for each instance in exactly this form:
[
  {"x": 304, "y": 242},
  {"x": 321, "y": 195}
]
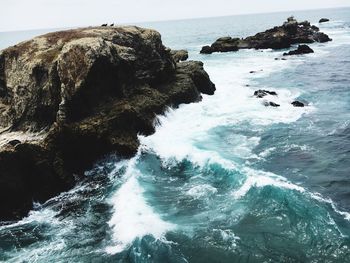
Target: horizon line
[{"x": 173, "y": 20}]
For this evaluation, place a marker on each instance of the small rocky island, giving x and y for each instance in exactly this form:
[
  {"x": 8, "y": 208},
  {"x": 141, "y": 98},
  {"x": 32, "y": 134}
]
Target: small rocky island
[
  {"x": 279, "y": 37},
  {"x": 68, "y": 98}
]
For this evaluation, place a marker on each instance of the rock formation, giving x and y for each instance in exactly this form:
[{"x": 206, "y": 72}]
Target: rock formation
[
  {"x": 323, "y": 20},
  {"x": 302, "y": 49},
  {"x": 68, "y": 98},
  {"x": 279, "y": 37},
  {"x": 179, "y": 55},
  {"x": 262, "y": 93},
  {"x": 297, "y": 104},
  {"x": 270, "y": 103}
]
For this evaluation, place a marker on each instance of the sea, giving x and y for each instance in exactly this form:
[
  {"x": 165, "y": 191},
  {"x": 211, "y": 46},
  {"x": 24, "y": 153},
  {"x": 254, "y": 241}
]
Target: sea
[{"x": 223, "y": 180}]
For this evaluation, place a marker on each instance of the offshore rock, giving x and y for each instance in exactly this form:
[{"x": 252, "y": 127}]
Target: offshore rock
[
  {"x": 297, "y": 104},
  {"x": 323, "y": 20},
  {"x": 270, "y": 103},
  {"x": 68, "y": 98},
  {"x": 279, "y": 37},
  {"x": 224, "y": 44},
  {"x": 262, "y": 93},
  {"x": 302, "y": 49}
]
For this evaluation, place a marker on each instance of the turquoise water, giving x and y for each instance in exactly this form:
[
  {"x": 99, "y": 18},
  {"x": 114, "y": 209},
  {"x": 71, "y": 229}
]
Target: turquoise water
[{"x": 224, "y": 180}]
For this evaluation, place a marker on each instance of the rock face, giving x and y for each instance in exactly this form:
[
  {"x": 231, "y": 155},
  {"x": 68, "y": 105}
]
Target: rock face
[
  {"x": 179, "y": 55},
  {"x": 302, "y": 49},
  {"x": 323, "y": 20},
  {"x": 68, "y": 98},
  {"x": 279, "y": 37}
]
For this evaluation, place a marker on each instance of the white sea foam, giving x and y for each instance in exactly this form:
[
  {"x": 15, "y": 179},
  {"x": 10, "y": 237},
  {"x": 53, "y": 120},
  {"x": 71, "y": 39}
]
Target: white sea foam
[
  {"x": 267, "y": 152},
  {"x": 227, "y": 236},
  {"x": 181, "y": 131},
  {"x": 202, "y": 190},
  {"x": 133, "y": 217},
  {"x": 261, "y": 179},
  {"x": 41, "y": 216}
]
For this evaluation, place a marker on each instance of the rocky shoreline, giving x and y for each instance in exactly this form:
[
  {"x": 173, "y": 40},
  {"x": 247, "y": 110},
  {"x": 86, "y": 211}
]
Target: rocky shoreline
[
  {"x": 280, "y": 37},
  {"x": 68, "y": 98}
]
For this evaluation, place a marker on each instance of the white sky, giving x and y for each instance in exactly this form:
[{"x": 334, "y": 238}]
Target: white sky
[{"x": 33, "y": 14}]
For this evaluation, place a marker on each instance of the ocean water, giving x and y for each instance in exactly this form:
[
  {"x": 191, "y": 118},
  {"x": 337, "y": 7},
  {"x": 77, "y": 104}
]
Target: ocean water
[{"x": 223, "y": 180}]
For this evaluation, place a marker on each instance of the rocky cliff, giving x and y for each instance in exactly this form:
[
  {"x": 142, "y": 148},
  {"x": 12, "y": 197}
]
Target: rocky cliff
[{"x": 68, "y": 98}]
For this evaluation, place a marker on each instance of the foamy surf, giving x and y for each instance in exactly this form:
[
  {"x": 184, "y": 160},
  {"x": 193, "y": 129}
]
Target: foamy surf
[{"x": 132, "y": 217}]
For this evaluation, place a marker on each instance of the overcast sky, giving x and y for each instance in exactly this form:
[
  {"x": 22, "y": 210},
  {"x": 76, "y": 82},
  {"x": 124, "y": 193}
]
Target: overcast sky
[{"x": 34, "y": 14}]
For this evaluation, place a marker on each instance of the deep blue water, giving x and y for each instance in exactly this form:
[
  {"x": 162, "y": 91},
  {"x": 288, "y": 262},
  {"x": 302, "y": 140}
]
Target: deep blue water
[{"x": 223, "y": 180}]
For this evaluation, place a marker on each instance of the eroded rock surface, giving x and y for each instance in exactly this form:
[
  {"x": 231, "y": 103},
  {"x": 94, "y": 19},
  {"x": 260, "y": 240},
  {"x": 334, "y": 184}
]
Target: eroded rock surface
[
  {"x": 179, "y": 55},
  {"x": 68, "y": 98}
]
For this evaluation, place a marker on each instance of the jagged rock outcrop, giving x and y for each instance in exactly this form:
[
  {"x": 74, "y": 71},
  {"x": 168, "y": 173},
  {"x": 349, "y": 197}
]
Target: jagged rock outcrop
[
  {"x": 279, "y": 37},
  {"x": 68, "y": 98},
  {"x": 302, "y": 49}
]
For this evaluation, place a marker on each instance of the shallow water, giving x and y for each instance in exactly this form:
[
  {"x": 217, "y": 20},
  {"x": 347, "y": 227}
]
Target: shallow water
[{"x": 223, "y": 180}]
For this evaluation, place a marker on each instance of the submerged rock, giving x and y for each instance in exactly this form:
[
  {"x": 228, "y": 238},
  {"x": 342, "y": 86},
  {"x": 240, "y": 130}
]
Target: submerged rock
[
  {"x": 302, "y": 49},
  {"x": 255, "y": 71},
  {"x": 262, "y": 93},
  {"x": 89, "y": 92},
  {"x": 270, "y": 103},
  {"x": 323, "y": 20},
  {"x": 279, "y": 37},
  {"x": 297, "y": 104}
]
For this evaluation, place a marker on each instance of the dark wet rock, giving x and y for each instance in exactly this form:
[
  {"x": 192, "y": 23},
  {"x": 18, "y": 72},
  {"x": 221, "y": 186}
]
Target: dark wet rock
[
  {"x": 206, "y": 50},
  {"x": 14, "y": 142},
  {"x": 223, "y": 44},
  {"x": 302, "y": 49},
  {"x": 89, "y": 92},
  {"x": 271, "y": 104},
  {"x": 255, "y": 71},
  {"x": 179, "y": 55},
  {"x": 323, "y": 20},
  {"x": 279, "y": 37},
  {"x": 298, "y": 104},
  {"x": 262, "y": 93},
  {"x": 280, "y": 59},
  {"x": 104, "y": 25},
  {"x": 315, "y": 28}
]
